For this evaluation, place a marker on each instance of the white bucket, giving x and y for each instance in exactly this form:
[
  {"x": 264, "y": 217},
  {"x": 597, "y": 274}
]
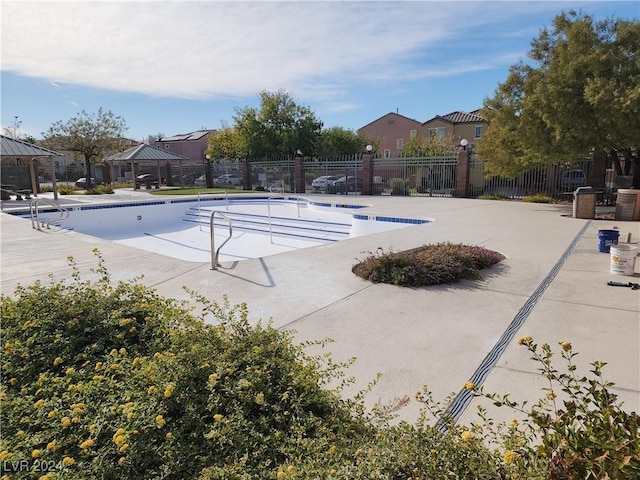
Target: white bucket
[{"x": 623, "y": 259}]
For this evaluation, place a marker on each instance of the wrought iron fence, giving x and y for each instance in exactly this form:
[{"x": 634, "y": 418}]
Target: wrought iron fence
[{"x": 419, "y": 176}]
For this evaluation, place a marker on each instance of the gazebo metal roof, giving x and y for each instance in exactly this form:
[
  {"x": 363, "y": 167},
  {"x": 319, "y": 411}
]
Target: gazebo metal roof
[
  {"x": 13, "y": 147},
  {"x": 145, "y": 152}
]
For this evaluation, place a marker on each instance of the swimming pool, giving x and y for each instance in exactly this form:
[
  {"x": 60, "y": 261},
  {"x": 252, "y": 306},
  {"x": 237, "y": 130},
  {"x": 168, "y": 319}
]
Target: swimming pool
[{"x": 262, "y": 226}]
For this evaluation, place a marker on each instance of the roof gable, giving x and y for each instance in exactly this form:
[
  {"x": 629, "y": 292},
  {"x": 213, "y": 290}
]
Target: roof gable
[
  {"x": 391, "y": 114},
  {"x": 458, "y": 117}
]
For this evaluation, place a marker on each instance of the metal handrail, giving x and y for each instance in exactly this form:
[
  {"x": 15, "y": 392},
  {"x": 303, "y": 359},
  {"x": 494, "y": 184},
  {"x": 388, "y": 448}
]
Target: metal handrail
[
  {"x": 269, "y": 213},
  {"x": 215, "y": 253},
  {"x": 226, "y": 196},
  {"x": 35, "y": 217}
]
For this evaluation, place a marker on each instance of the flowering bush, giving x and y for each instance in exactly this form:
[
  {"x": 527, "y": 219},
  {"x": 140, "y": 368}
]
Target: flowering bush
[
  {"x": 426, "y": 265},
  {"x": 577, "y": 431},
  {"x": 112, "y": 381}
]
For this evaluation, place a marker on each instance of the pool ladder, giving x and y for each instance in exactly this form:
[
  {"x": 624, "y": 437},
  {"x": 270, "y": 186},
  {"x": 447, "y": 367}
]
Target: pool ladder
[
  {"x": 215, "y": 253},
  {"x": 34, "y": 213}
]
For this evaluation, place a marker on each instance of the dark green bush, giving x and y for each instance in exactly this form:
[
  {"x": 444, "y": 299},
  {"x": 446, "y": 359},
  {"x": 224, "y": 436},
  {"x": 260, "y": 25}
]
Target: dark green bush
[{"x": 399, "y": 186}]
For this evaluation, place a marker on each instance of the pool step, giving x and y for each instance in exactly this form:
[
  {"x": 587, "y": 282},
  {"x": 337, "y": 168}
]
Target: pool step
[{"x": 320, "y": 230}]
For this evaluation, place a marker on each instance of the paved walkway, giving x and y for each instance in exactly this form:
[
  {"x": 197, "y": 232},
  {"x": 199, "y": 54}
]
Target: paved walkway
[{"x": 552, "y": 286}]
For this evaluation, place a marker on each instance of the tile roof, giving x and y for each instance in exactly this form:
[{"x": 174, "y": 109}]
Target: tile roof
[
  {"x": 146, "y": 152},
  {"x": 13, "y": 147},
  {"x": 460, "y": 117}
]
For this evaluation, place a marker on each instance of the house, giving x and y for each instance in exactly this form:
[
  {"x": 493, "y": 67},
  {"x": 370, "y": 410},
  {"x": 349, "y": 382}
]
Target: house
[
  {"x": 457, "y": 126},
  {"x": 394, "y": 130},
  {"x": 191, "y": 145}
]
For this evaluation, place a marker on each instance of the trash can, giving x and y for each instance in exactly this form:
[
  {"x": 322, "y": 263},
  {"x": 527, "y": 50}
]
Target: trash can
[
  {"x": 584, "y": 202},
  {"x": 606, "y": 238}
]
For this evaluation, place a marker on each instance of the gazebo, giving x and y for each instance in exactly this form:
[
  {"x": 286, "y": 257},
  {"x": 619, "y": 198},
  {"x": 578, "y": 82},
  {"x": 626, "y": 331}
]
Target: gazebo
[
  {"x": 143, "y": 153},
  {"x": 15, "y": 149}
]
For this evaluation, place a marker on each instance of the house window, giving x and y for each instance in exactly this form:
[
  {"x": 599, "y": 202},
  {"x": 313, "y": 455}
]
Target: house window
[
  {"x": 166, "y": 146},
  {"x": 478, "y": 131},
  {"x": 400, "y": 143},
  {"x": 387, "y": 153},
  {"x": 436, "y": 133},
  {"x": 413, "y": 134}
]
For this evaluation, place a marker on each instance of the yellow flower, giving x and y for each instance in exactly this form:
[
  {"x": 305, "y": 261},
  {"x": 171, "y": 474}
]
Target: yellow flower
[
  {"x": 66, "y": 421},
  {"x": 509, "y": 456},
  {"x": 87, "y": 444},
  {"x": 123, "y": 351},
  {"x": 113, "y": 352},
  {"x": 469, "y": 385},
  {"x": 20, "y": 433},
  {"x": 168, "y": 391},
  {"x": 524, "y": 340},
  {"x": 333, "y": 450},
  {"x": 98, "y": 377},
  {"x": 68, "y": 461},
  {"x": 213, "y": 377},
  {"x": 3, "y": 455},
  {"x": 551, "y": 395},
  {"x": 124, "y": 448},
  {"x": 52, "y": 413},
  {"x": 92, "y": 427},
  {"x": 13, "y": 381},
  {"x": 57, "y": 361},
  {"x": 118, "y": 440},
  {"x": 125, "y": 321},
  {"x": 46, "y": 476},
  {"x": 51, "y": 445},
  {"x": 70, "y": 371},
  {"x": 160, "y": 421},
  {"x": 169, "y": 436},
  {"x": 35, "y": 453},
  {"x": 158, "y": 356},
  {"x": 466, "y": 435},
  {"x": 217, "y": 417},
  {"x": 566, "y": 346},
  {"x": 38, "y": 404},
  {"x": 151, "y": 390},
  {"x": 121, "y": 460},
  {"x": 98, "y": 366}
]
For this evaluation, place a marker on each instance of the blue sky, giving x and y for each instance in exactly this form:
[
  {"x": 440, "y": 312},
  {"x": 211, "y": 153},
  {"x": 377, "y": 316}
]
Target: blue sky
[{"x": 175, "y": 67}]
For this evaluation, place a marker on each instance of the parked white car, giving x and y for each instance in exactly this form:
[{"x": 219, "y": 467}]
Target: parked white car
[
  {"x": 322, "y": 182},
  {"x": 227, "y": 179}
]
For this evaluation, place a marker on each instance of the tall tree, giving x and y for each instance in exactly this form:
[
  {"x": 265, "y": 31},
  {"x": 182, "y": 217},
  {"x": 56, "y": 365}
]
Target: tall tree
[
  {"x": 579, "y": 94},
  {"x": 337, "y": 141},
  {"x": 89, "y": 136},
  {"x": 280, "y": 127}
]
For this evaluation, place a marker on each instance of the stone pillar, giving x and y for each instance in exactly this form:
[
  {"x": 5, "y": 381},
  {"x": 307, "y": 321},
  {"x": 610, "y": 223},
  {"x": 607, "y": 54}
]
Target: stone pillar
[
  {"x": 598, "y": 170},
  {"x": 299, "y": 181},
  {"x": 462, "y": 176},
  {"x": 246, "y": 174},
  {"x": 367, "y": 174}
]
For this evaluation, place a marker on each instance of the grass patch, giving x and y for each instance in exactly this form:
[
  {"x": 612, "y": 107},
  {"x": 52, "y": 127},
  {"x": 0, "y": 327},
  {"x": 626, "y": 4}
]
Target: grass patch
[{"x": 426, "y": 265}]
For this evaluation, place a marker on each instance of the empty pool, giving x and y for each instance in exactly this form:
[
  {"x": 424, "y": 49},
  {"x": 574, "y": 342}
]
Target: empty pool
[{"x": 261, "y": 226}]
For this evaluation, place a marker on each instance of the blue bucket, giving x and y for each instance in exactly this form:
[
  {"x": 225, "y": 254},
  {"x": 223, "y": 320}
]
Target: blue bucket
[{"x": 606, "y": 238}]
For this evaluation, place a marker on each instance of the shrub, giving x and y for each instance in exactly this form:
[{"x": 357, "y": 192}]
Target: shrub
[
  {"x": 399, "y": 186},
  {"x": 538, "y": 198},
  {"x": 493, "y": 196},
  {"x": 426, "y": 265},
  {"x": 100, "y": 190},
  {"x": 127, "y": 384},
  {"x": 576, "y": 431},
  {"x": 259, "y": 188},
  {"x": 67, "y": 189}
]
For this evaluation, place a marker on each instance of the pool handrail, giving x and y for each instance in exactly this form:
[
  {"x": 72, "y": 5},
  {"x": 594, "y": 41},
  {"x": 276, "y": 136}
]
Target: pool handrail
[
  {"x": 215, "y": 253},
  {"x": 35, "y": 217},
  {"x": 226, "y": 196},
  {"x": 269, "y": 213}
]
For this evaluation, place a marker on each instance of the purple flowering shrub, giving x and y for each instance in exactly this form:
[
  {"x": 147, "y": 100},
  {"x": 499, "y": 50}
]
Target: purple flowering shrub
[{"x": 426, "y": 265}]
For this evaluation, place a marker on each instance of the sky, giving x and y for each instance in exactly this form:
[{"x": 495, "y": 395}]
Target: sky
[{"x": 171, "y": 67}]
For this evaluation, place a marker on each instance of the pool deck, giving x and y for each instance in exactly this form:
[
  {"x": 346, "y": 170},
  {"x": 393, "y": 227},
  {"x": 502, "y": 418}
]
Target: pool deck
[{"x": 552, "y": 286}]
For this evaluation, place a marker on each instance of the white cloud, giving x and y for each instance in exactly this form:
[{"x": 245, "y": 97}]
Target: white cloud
[{"x": 222, "y": 49}]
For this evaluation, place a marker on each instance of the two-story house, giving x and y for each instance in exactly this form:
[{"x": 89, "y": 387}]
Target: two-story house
[
  {"x": 394, "y": 130},
  {"x": 455, "y": 126},
  {"x": 191, "y": 145}
]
